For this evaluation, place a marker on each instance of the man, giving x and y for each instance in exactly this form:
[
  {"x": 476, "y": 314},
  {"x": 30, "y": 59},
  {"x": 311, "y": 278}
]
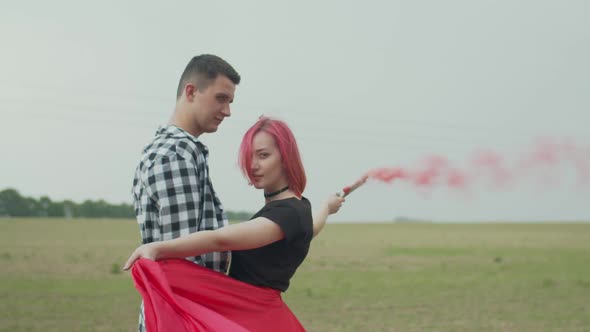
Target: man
[{"x": 173, "y": 194}]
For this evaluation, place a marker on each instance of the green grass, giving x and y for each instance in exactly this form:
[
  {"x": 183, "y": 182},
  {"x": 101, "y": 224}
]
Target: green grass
[{"x": 58, "y": 275}]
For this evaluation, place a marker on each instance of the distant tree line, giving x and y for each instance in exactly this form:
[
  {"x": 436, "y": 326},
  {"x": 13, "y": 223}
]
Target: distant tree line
[{"x": 13, "y": 204}]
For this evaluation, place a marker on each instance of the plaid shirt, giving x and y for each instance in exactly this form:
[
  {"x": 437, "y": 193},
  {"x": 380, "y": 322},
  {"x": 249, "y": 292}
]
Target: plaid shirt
[{"x": 173, "y": 194}]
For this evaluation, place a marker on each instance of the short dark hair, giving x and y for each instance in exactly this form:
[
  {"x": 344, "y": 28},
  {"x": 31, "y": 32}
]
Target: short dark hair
[{"x": 204, "y": 69}]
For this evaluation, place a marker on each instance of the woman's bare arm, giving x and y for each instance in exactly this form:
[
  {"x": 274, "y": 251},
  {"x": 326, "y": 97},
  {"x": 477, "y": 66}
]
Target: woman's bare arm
[{"x": 250, "y": 234}]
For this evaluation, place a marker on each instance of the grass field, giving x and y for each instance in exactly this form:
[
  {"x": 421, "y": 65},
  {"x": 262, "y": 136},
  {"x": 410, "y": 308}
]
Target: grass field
[{"x": 58, "y": 275}]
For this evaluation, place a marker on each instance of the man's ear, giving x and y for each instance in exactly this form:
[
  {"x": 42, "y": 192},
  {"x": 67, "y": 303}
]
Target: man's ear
[{"x": 189, "y": 90}]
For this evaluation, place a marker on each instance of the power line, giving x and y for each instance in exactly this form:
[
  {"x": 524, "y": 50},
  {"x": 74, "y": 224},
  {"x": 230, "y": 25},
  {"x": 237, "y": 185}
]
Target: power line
[{"x": 325, "y": 129}]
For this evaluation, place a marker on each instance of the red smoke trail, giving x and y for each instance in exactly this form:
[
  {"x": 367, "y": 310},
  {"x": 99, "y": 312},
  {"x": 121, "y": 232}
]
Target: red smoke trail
[{"x": 543, "y": 163}]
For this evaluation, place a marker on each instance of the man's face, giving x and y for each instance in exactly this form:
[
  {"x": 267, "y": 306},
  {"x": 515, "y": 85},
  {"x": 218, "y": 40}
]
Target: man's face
[{"x": 211, "y": 105}]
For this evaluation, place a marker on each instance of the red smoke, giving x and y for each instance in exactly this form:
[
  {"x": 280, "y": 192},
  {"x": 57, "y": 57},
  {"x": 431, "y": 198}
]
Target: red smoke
[{"x": 543, "y": 163}]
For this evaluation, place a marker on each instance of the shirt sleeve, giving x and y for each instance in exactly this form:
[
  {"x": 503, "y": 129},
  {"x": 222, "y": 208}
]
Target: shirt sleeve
[
  {"x": 172, "y": 183},
  {"x": 287, "y": 218}
]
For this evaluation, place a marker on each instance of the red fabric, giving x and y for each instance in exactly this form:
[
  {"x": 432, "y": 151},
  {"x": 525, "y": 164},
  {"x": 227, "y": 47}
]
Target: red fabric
[{"x": 180, "y": 296}]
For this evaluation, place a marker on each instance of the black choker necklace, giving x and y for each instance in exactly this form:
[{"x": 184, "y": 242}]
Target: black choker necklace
[{"x": 269, "y": 195}]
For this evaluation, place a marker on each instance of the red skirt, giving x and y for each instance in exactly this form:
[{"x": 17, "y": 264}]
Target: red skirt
[{"x": 179, "y": 295}]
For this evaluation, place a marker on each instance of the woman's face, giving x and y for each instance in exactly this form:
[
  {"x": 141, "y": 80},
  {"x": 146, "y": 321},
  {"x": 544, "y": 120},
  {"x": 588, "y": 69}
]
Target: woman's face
[{"x": 267, "y": 168}]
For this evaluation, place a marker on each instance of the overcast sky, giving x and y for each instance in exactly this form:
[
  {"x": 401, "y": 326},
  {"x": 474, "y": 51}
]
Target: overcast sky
[{"x": 363, "y": 84}]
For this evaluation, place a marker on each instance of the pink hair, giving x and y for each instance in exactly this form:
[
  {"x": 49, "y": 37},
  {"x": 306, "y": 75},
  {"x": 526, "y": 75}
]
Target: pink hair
[{"x": 290, "y": 158}]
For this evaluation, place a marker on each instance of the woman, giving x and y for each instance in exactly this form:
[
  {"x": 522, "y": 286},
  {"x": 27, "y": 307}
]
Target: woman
[{"x": 266, "y": 250}]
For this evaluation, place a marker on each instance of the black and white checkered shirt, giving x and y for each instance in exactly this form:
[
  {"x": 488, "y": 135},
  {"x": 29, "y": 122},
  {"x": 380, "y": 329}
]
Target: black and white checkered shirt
[{"x": 173, "y": 194}]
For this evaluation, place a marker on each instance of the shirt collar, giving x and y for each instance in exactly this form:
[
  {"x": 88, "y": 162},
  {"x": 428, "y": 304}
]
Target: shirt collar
[{"x": 172, "y": 131}]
